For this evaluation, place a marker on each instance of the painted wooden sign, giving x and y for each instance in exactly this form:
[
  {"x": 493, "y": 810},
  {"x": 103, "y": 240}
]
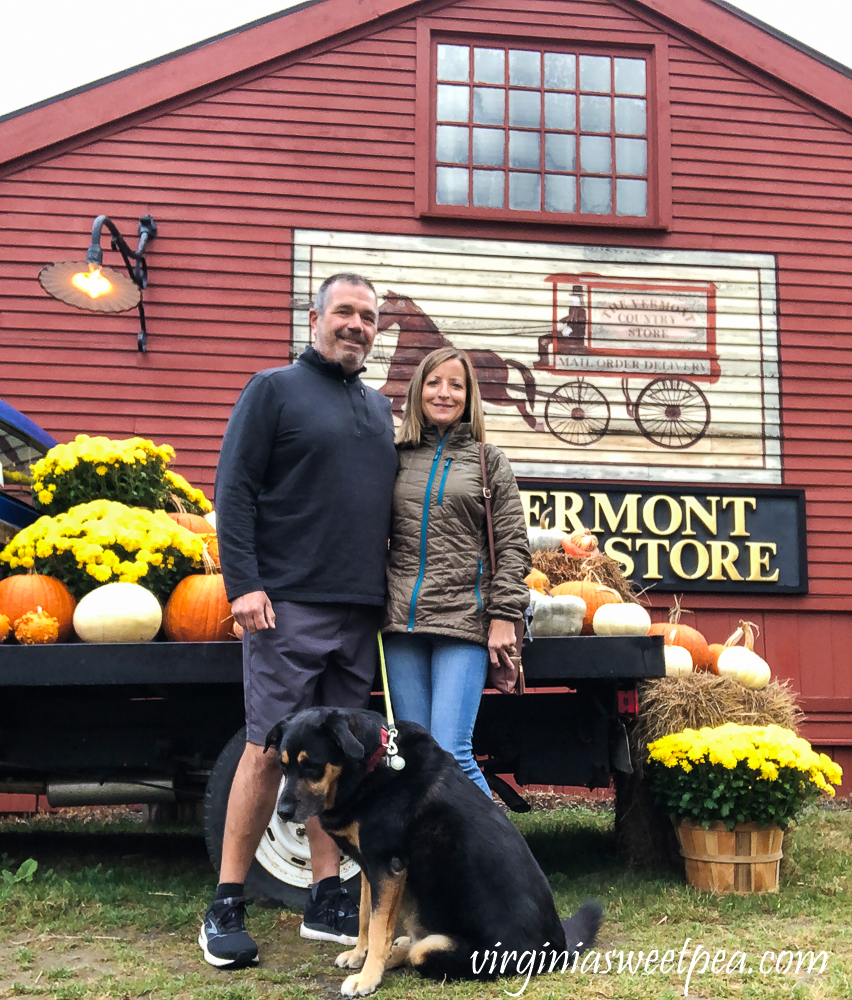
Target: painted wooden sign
[
  {"x": 749, "y": 541},
  {"x": 594, "y": 362}
]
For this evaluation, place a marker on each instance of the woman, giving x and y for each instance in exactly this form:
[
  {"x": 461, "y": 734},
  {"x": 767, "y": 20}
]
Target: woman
[{"x": 446, "y": 615}]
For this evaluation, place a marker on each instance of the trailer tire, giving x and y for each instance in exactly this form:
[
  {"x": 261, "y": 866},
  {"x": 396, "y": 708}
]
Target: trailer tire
[{"x": 280, "y": 874}]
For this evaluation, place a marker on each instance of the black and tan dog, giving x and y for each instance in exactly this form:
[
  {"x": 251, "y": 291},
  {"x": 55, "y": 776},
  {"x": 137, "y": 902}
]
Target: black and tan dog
[{"x": 426, "y": 832}]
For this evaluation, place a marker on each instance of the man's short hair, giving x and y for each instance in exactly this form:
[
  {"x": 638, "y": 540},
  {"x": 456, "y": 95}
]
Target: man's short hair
[{"x": 321, "y": 300}]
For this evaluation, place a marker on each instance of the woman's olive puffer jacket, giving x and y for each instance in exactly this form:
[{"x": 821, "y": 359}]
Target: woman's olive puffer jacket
[{"x": 439, "y": 568}]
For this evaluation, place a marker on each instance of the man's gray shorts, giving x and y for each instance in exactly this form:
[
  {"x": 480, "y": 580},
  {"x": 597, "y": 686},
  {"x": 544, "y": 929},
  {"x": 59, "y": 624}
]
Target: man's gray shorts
[{"x": 317, "y": 654}]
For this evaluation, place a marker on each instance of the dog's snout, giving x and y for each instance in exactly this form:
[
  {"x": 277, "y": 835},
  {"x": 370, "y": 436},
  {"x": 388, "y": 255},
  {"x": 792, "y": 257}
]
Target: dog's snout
[{"x": 286, "y": 809}]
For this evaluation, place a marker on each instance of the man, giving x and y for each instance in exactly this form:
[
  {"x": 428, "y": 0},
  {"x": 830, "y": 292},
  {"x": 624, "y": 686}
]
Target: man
[
  {"x": 570, "y": 337},
  {"x": 303, "y": 501}
]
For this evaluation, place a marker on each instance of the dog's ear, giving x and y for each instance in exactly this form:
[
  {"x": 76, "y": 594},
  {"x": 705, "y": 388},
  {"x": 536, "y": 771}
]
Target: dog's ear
[
  {"x": 274, "y": 736},
  {"x": 338, "y": 726}
]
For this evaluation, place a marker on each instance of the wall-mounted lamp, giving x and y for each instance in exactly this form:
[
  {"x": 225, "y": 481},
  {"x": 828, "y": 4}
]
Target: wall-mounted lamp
[{"x": 89, "y": 285}]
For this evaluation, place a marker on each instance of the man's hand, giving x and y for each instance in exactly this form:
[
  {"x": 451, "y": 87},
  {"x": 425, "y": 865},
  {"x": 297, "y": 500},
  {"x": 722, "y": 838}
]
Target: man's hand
[
  {"x": 501, "y": 641},
  {"x": 253, "y": 611}
]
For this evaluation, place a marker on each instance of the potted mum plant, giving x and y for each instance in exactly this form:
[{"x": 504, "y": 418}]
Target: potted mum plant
[{"x": 731, "y": 791}]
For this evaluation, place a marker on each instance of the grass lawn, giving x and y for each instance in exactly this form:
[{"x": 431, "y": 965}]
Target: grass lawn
[{"x": 113, "y": 912}]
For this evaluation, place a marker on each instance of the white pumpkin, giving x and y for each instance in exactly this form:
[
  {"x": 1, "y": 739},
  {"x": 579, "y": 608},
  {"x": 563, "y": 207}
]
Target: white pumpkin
[
  {"x": 744, "y": 666},
  {"x": 118, "y": 612},
  {"x": 741, "y": 663},
  {"x": 678, "y": 661},
  {"x": 545, "y": 539},
  {"x": 556, "y": 615},
  {"x": 621, "y": 619},
  {"x": 211, "y": 518}
]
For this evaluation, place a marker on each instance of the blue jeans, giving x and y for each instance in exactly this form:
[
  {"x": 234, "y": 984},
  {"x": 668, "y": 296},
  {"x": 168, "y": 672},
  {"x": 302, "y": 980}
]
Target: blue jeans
[{"x": 437, "y": 682}]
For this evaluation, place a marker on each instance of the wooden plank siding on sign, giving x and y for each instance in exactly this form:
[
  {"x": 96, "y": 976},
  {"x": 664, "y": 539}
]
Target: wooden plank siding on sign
[{"x": 322, "y": 136}]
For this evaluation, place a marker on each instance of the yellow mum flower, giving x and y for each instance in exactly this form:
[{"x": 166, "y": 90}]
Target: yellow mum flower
[{"x": 100, "y": 573}]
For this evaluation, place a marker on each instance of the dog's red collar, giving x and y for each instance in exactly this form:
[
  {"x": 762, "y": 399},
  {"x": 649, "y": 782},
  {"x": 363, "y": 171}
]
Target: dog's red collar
[{"x": 380, "y": 752}]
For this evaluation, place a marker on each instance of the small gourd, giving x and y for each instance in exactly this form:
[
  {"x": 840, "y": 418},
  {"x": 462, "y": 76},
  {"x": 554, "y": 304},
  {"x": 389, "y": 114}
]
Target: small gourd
[
  {"x": 621, "y": 619},
  {"x": 545, "y": 539},
  {"x": 537, "y": 581},
  {"x": 581, "y": 544},
  {"x": 5, "y": 628},
  {"x": 741, "y": 663},
  {"x": 554, "y": 616},
  {"x": 36, "y": 627},
  {"x": 211, "y": 542},
  {"x": 678, "y": 661},
  {"x": 118, "y": 612}
]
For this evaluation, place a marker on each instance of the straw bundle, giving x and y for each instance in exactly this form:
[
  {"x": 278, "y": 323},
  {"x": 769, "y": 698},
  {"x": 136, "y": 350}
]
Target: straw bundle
[
  {"x": 644, "y": 834},
  {"x": 559, "y": 567}
]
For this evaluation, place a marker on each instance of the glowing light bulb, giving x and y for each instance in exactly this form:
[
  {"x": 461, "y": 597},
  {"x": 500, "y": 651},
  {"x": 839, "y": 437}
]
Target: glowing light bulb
[{"x": 92, "y": 282}]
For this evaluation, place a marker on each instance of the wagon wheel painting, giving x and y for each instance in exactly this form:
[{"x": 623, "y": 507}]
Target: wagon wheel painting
[
  {"x": 672, "y": 413},
  {"x": 577, "y": 413}
]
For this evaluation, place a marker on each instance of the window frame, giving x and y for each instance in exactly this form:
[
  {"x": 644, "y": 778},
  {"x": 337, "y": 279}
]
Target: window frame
[{"x": 652, "y": 47}]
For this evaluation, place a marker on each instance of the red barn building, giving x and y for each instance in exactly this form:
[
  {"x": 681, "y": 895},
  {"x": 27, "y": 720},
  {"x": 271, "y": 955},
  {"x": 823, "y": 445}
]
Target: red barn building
[{"x": 634, "y": 212}]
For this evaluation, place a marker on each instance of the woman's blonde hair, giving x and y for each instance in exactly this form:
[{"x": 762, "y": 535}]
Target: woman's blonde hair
[{"x": 413, "y": 420}]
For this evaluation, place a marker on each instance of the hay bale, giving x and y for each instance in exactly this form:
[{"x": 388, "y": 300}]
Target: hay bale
[
  {"x": 559, "y": 567},
  {"x": 645, "y": 836}
]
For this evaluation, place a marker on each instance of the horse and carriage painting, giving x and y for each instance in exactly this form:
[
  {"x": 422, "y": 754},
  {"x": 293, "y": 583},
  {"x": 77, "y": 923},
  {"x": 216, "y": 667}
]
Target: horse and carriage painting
[
  {"x": 670, "y": 411},
  {"x": 592, "y": 362}
]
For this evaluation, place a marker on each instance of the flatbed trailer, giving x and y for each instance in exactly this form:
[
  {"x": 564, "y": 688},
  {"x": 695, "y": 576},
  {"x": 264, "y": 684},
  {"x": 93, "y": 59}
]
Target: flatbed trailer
[{"x": 89, "y": 724}]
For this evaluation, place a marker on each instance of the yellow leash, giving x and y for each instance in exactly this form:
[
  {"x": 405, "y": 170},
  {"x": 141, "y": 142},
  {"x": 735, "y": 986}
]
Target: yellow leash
[{"x": 395, "y": 760}]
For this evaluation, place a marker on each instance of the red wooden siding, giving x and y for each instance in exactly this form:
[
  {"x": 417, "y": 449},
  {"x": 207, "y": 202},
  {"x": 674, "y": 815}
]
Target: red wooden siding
[{"x": 328, "y": 142}]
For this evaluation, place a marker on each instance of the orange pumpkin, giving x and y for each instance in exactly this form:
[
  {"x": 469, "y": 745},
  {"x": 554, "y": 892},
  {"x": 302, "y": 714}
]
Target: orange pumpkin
[
  {"x": 25, "y": 592},
  {"x": 594, "y": 594},
  {"x": 715, "y": 648},
  {"x": 192, "y": 522},
  {"x": 537, "y": 581},
  {"x": 198, "y": 610},
  {"x": 581, "y": 544},
  {"x": 690, "y": 638}
]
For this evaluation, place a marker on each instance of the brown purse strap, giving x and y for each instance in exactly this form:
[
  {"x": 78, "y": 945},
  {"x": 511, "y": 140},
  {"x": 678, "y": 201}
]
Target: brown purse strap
[{"x": 486, "y": 493}]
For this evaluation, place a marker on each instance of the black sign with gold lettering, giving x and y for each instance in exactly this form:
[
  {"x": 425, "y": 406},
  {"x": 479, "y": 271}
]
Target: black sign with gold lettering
[{"x": 683, "y": 538}]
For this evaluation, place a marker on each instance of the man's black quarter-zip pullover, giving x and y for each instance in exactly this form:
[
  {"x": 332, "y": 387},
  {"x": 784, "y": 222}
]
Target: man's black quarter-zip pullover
[{"x": 304, "y": 486}]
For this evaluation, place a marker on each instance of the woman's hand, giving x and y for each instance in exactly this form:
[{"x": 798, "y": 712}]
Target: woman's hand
[{"x": 501, "y": 642}]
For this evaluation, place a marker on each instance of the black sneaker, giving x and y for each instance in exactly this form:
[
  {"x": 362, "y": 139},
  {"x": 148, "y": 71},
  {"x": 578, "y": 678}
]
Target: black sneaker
[
  {"x": 223, "y": 938},
  {"x": 332, "y": 917}
]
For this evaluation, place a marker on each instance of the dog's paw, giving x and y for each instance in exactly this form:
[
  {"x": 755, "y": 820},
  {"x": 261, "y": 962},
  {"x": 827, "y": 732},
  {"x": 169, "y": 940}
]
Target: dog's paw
[
  {"x": 352, "y": 959},
  {"x": 359, "y": 985},
  {"x": 398, "y": 953}
]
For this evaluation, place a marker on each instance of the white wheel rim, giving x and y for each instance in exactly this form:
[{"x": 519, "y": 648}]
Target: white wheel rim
[{"x": 284, "y": 852}]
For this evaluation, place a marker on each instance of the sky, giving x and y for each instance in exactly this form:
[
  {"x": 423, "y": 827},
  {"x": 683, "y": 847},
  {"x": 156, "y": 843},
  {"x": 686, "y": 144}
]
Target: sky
[{"x": 50, "y": 46}]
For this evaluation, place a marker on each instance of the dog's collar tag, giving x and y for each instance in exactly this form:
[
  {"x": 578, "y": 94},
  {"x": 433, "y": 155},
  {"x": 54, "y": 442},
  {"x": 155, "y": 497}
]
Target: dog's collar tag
[{"x": 394, "y": 761}]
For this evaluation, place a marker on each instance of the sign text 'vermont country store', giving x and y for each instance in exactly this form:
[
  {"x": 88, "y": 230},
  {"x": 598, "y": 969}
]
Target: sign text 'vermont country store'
[{"x": 684, "y": 540}]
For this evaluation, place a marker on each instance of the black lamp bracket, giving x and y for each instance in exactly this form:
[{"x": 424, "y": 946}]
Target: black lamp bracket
[{"x": 135, "y": 262}]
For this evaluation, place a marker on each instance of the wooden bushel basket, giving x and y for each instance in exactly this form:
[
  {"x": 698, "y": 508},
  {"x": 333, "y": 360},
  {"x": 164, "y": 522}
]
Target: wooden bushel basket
[{"x": 745, "y": 859}]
